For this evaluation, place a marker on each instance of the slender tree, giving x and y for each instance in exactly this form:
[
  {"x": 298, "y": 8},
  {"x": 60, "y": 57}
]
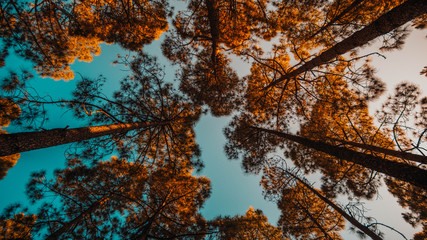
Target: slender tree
[
  {"x": 334, "y": 118},
  {"x": 390, "y": 152},
  {"x": 326, "y": 105},
  {"x": 146, "y": 117},
  {"x": 394, "y": 18},
  {"x": 276, "y": 177},
  {"x": 296, "y": 97},
  {"x": 322, "y": 24},
  {"x": 205, "y": 35},
  {"x": 329, "y": 112},
  {"x": 303, "y": 214},
  {"x": 27, "y": 141},
  {"x": 405, "y": 172},
  {"x": 296, "y": 21}
]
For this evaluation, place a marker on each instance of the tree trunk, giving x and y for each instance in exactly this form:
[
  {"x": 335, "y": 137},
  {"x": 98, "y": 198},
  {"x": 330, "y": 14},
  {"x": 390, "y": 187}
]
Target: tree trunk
[
  {"x": 384, "y": 24},
  {"x": 314, "y": 220},
  {"x": 401, "y": 171},
  {"x": 26, "y": 141},
  {"x": 391, "y": 152},
  {"x": 349, "y": 218},
  {"x": 213, "y": 17}
]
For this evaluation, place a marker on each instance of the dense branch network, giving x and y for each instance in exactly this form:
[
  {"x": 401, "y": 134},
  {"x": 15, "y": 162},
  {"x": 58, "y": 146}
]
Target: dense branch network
[{"x": 305, "y": 74}]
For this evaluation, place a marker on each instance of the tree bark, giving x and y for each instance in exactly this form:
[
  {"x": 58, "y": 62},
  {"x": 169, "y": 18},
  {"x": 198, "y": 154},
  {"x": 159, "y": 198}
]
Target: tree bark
[
  {"x": 396, "y": 17},
  {"x": 27, "y": 141},
  {"x": 213, "y": 17},
  {"x": 349, "y": 218},
  {"x": 401, "y": 171},
  {"x": 391, "y": 152}
]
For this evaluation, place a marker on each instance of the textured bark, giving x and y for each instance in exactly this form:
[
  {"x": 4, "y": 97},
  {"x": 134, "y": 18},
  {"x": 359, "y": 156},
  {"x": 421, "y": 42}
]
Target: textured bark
[
  {"x": 349, "y": 218},
  {"x": 390, "y": 152},
  {"x": 401, "y": 171},
  {"x": 384, "y": 24},
  {"x": 27, "y": 141},
  {"x": 213, "y": 17}
]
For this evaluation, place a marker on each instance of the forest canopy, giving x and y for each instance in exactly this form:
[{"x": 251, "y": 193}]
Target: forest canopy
[{"x": 296, "y": 79}]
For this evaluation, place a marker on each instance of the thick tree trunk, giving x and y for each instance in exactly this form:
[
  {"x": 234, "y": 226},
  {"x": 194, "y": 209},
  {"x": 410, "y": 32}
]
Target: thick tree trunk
[
  {"x": 349, "y": 218},
  {"x": 391, "y": 152},
  {"x": 27, "y": 141},
  {"x": 384, "y": 24},
  {"x": 401, "y": 171}
]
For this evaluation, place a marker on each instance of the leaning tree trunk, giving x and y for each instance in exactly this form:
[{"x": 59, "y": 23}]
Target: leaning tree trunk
[
  {"x": 314, "y": 220},
  {"x": 349, "y": 218},
  {"x": 401, "y": 171},
  {"x": 396, "y": 17},
  {"x": 27, "y": 141},
  {"x": 404, "y": 155}
]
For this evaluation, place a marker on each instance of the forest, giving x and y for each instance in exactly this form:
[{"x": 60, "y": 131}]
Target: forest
[{"x": 124, "y": 119}]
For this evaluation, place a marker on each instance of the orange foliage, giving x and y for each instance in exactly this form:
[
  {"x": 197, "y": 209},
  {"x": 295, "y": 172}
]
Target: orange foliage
[
  {"x": 253, "y": 225},
  {"x": 54, "y": 34},
  {"x": 8, "y": 112},
  {"x": 18, "y": 227}
]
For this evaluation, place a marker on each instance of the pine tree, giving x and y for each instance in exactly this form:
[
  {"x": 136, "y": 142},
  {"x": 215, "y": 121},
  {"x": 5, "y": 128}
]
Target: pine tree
[
  {"x": 120, "y": 197},
  {"x": 147, "y": 117},
  {"x": 53, "y": 34},
  {"x": 277, "y": 181},
  {"x": 384, "y": 24}
]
